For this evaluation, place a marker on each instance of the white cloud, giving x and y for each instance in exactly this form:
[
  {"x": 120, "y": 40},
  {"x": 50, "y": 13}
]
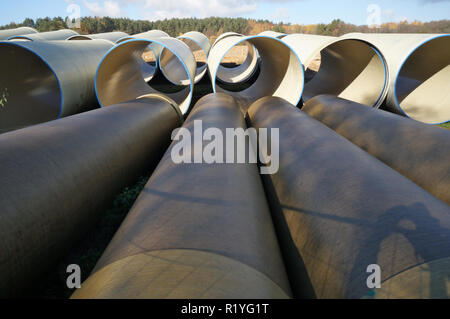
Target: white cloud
[{"x": 109, "y": 8}]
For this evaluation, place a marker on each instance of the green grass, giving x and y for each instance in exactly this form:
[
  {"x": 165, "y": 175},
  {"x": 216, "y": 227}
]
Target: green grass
[{"x": 445, "y": 125}]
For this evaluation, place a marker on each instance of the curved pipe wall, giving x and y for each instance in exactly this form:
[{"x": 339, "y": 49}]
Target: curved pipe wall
[
  {"x": 5, "y": 34},
  {"x": 59, "y": 177},
  {"x": 119, "y": 78},
  {"x": 196, "y": 230},
  {"x": 418, "y": 151},
  {"x": 168, "y": 62},
  {"x": 242, "y": 72},
  {"x": 339, "y": 210},
  {"x": 281, "y": 71},
  {"x": 273, "y": 34},
  {"x": 148, "y": 71},
  {"x": 40, "y": 85},
  {"x": 419, "y": 66},
  {"x": 45, "y": 36},
  {"x": 350, "y": 68},
  {"x": 110, "y": 36}
]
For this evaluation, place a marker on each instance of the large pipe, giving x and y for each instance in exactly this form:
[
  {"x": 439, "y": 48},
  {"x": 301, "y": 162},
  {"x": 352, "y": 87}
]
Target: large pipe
[
  {"x": 273, "y": 34},
  {"x": 349, "y": 68},
  {"x": 119, "y": 75},
  {"x": 418, "y": 151},
  {"x": 196, "y": 41},
  {"x": 242, "y": 72},
  {"x": 110, "y": 36},
  {"x": 281, "y": 71},
  {"x": 59, "y": 177},
  {"x": 196, "y": 230},
  {"x": 148, "y": 70},
  {"x": 43, "y": 81},
  {"x": 339, "y": 210},
  {"x": 45, "y": 36},
  {"x": 419, "y": 80},
  {"x": 5, "y": 34}
]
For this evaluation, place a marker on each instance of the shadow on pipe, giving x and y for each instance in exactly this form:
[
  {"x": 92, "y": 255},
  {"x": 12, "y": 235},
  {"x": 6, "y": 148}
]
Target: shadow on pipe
[
  {"x": 196, "y": 230},
  {"x": 42, "y": 81},
  {"x": 345, "y": 210},
  {"x": 60, "y": 176}
]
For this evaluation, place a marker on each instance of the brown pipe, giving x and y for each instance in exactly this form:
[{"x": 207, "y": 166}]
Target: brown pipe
[
  {"x": 196, "y": 230},
  {"x": 339, "y": 210},
  {"x": 57, "y": 178},
  {"x": 418, "y": 151}
]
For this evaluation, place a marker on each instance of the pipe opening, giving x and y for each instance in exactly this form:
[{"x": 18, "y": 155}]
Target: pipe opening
[
  {"x": 239, "y": 64},
  {"x": 422, "y": 86},
  {"x": 29, "y": 88},
  {"x": 350, "y": 69},
  {"x": 120, "y": 78},
  {"x": 280, "y": 73}
]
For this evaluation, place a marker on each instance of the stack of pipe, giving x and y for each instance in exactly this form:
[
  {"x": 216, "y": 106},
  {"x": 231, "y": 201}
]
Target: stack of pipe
[
  {"x": 5, "y": 34},
  {"x": 63, "y": 34},
  {"x": 110, "y": 36}
]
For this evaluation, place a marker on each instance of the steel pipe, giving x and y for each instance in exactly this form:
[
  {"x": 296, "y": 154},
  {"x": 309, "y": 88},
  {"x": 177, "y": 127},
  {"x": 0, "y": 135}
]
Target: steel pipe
[
  {"x": 281, "y": 71},
  {"x": 196, "y": 230},
  {"x": 418, "y": 151},
  {"x": 419, "y": 67},
  {"x": 40, "y": 85},
  {"x": 119, "y": 78},
  {"x": 45, "y": 36},
  {"x": 110, "y": 36},
  {"x": 168, "y": 64},
  {"x": 338, "y": 210},
  {"x": 59, "y": 177},
  {"x": 242, "y": 72},
  {"x": 5, "y": 34},
  {"x": 349, "y": 68},
  {"x": 273, "y": 34},
  {"x": 148, "y": 70}
]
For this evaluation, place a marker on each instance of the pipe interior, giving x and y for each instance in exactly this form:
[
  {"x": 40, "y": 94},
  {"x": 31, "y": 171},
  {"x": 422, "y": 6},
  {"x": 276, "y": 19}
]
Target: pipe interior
[
  {"x": 79, "y": 37},
  {"x": 281, "y": 73},
  {"x": 423, "y": 84},
  {"x": 349, "y": 69},
  {"x": 230, "y": 73},
  {"x": 123, "y": 65},
  {"x": 29, "y": 89}
]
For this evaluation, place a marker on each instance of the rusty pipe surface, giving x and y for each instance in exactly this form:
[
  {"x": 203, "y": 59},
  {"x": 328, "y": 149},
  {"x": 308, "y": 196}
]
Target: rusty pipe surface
[
  {"x": 59, "y": 177},
  {"x": 5, "y": 34},
  {"x": 339, "y": 210},
  {"x": 44, "y": 36},
  {"x": 416, "y": 150},
  {"x": 196, "y": 230},
  {"x": 45, "y": 80},
  {"x": 119, "y": 76},
  {"x": 419, "y": 80},
  {"x": 281, "y": 71},
  {"x": 349, "y": 68}
]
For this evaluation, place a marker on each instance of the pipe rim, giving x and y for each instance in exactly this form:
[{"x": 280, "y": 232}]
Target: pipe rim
[
  {"x": 246, "y": 38},
  {"x": 191, "y": 81},
  {"x": 401, "y": 67}
]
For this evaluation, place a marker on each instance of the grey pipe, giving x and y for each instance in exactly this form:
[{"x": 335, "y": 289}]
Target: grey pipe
[
  {"x": 168, "y": 61},
  {"x": 45, "y": 36},
  {"x": 5, "y": 34},
  {"x": 339, "y": 210},
  {"x": 281, "y": 71},
  {"x": 419, "y": 67},
  {"x": 418, "y": 151},
  {"x": 40, "y": 85},
  {"x": 196, "y": 230},
  {"x": 273, "y": 34},
  {"x": 119, "y": 75},
  {"x": 59, "y": 177},
  {"x": 350, "y": 68}
]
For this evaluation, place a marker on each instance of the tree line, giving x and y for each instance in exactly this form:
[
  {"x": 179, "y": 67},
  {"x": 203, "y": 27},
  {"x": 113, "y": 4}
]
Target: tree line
[{"x": 214, "y": 26}]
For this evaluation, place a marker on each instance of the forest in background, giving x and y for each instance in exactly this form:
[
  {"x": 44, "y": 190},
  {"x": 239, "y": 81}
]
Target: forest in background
[{"x": 214, "y": 26}]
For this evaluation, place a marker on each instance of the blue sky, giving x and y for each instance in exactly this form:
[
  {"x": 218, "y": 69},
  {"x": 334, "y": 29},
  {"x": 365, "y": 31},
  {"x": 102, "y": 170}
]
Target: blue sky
[{"x": 293, "y": 11}]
